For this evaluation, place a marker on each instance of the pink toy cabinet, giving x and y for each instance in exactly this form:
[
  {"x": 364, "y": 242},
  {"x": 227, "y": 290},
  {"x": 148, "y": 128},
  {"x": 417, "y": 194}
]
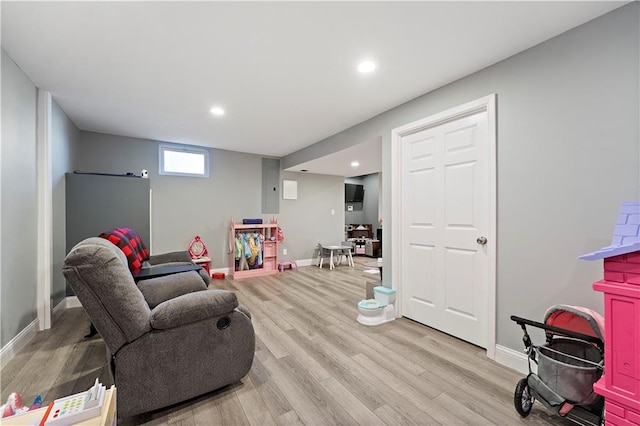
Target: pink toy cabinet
[
  {"x": 620, "y": 384},
  {"x": 269, "y": 249}
]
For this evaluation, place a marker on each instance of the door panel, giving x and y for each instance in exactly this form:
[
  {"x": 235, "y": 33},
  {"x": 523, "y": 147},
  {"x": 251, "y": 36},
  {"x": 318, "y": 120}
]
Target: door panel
[
  {"x": 421, "y": 261},
  {"x": 422, "y": 186},
  {"x": 445, "y": 202},
  {"x": 460, "y": 139},
  {"x": 459, "y": 281},
  {"x": 459, "y": 204}
]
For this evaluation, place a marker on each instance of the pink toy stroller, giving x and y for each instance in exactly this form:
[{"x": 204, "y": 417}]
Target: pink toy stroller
[{"x": 569, "y": 364}]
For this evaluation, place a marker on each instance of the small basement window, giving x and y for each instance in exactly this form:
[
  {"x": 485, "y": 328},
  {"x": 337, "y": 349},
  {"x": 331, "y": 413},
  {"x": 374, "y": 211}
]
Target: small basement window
[{"x": 182, "y": 160}]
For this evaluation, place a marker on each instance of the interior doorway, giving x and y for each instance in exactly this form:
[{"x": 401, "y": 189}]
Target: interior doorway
[
  {"x": 444, "y": 192},
  {"x": 362, "y": 211}
]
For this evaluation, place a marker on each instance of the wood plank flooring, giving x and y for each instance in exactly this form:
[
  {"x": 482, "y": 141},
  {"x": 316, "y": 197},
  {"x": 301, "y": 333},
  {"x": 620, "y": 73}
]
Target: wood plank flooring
[{"x": 314, "y": 364}]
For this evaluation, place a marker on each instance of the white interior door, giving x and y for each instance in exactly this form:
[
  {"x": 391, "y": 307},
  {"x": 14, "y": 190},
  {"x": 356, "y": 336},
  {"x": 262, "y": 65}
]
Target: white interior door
[{"x": 445, "y": 215}]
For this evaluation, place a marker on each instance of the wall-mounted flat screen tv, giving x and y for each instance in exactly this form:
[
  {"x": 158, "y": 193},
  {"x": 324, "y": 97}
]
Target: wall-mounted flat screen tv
[{"x": 353, "y": 193}]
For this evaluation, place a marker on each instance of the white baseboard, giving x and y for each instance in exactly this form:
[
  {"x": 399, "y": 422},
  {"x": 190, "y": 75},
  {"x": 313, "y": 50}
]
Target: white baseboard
[
  {"x": 305, "y": 262},
  {"x": 11, "y": 349},
  {"x": 72, "y": 302},
  {"x": 58, "y": 310},
  {"x": 516, "y": 360}
]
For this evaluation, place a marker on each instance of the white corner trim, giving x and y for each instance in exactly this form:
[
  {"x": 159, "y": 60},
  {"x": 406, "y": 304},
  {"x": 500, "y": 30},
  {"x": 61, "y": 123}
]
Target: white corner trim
[
  {"x": 45, "y": 215},
  {"x": 516, "y": 360},
  {"x": 11, "y": 349},
  {"x": 150, "y": 220}
]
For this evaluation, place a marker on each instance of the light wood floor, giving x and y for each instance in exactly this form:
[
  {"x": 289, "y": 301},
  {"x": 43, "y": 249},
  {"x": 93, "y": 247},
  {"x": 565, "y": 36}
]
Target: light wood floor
[{"x": 314, "y": 364}]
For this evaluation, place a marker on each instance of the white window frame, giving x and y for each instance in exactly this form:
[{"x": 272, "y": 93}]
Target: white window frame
[{"x": 184, "y": 149}]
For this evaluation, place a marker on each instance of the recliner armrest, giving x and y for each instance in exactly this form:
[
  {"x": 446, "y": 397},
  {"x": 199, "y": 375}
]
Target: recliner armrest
[
  {"x": 192, "y": 307},
  {"x": 174, "y": 256},
  {"x": 161, "y": 289},
  {"x": 244, "y": 310}
]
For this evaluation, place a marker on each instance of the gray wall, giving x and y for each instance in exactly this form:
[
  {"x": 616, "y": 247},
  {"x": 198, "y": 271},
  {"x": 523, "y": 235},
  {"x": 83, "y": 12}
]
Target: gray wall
[
  {"x": 19, "y": 191},
  {"x": 308, "y": 221},
  {"x": 568, "y": 154},
  {"x": 183, "y": 207},
  {"x": 64, "y": 140}
]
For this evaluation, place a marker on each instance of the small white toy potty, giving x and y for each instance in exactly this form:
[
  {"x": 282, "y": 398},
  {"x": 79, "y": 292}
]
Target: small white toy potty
[{"x": 379, "y": 310}]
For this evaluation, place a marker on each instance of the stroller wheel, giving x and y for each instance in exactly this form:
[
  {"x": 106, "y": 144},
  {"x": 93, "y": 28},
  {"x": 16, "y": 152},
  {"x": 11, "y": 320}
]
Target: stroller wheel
[{"x": 522, "y": 398}]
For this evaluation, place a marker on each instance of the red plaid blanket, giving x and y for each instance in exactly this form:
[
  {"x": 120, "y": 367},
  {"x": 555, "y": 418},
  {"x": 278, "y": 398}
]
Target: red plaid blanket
[{"x": 131, "y": 245}]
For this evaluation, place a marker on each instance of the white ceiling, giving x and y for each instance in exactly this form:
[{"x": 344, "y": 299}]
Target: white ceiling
[
  {"x": 285, "y": 72},
  {"x": 367, "y": 154}
]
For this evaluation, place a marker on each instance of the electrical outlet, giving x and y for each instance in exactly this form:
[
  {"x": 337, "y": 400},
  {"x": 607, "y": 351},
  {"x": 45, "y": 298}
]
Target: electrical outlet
[
  {"x": 284, "y": 251},
  {"x": 333, "y": 212}
]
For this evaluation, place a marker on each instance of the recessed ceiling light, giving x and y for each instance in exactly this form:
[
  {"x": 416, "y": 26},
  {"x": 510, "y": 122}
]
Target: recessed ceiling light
[
  {"x": 217, "y": 111},
  {"x": 366, "y": 67},
  {"x": 355, "y": 164}
]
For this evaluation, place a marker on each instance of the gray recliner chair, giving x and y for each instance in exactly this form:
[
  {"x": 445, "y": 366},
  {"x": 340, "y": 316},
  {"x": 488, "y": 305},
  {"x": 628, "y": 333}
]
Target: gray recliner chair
[
  {"x": 165, "y": 343},
  {"x": 128, "y": 240}
]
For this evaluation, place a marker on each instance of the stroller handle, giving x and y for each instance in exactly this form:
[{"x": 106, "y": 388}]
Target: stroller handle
[{"x": 562, "y": 331}]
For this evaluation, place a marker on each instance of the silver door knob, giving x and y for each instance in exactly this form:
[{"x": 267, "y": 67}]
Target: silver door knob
[{"x": 481, "y": 240}]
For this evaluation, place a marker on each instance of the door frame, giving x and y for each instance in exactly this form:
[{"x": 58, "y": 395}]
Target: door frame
[{"x": 488, "y": 104}]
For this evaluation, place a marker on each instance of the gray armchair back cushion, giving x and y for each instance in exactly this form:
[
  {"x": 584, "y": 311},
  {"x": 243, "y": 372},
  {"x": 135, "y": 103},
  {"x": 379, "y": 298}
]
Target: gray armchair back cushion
[
  {"x": 98, "y": 241},
  {"x": 100, "y": 277}
]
